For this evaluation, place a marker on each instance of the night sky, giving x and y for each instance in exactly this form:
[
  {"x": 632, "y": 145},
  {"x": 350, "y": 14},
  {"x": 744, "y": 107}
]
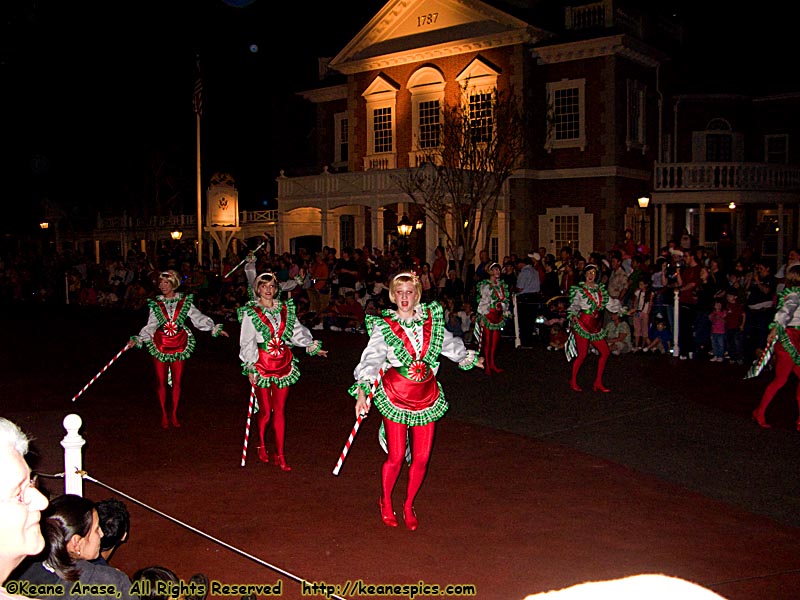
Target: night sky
[{"x": 96, "y": 93}]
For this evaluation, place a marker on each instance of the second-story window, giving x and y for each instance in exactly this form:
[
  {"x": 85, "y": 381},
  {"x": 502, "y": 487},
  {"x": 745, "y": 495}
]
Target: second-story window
[
  {"x": 382, "y": 128},
  {"x": 776, "y": 149},
  {"x": 427, "y": 98},
  {"x": 381, "y": 98},
  {"x": 479, "y": 87},
  {"x": 480, "y": 116},
  {"x": 719, "y": 147},
  {"x": 635, "y": 134},
  {"x": 341, "y": 153},
  {"x": 566, "y": 114},
  {"x": 429, "y": 126}
]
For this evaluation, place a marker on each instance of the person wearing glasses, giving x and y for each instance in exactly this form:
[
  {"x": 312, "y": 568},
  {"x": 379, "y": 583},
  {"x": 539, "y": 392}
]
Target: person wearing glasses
[
  {"x": 398, "y": 371},
  {"x": 169, "y": 341},
  {"x": 269, "y": 330},
  {"x": 21, "y": 506}
]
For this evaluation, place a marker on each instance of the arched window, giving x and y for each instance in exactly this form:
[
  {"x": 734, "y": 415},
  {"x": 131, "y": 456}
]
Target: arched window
[{"x": 426, "y": 86}]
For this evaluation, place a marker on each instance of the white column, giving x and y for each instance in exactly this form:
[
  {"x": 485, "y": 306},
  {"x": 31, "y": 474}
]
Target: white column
[
  {"x": 781, "y": 237},
  {"x": 376, "y": 230},
  {"x": 701, "y": 237},
  {"x": 73, "y": 461},
  {"x": 676, "y": 349},
  {"x": 324, "y": 226}
]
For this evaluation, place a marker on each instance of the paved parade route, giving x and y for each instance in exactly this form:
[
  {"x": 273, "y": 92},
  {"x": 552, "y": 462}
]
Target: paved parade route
[{"x": 531, "y": 486}]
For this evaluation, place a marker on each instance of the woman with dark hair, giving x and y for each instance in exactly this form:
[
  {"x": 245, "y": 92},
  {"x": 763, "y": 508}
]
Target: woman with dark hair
[
  {"x": 269, "y": 331},
  {"x": 72, "y": 533},
  {"x": 784, "y": 340},
  {"x": 398, "y": 368},
  {"x": 169, "y": 341},
  {"x": 588, "y": 300}
]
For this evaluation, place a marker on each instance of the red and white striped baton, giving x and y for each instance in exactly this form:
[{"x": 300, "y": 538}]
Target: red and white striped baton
[
  {"x": 353, "y": 433},
  {"x": 247, "y": 425},
  {"x": 103, "y": 370}
]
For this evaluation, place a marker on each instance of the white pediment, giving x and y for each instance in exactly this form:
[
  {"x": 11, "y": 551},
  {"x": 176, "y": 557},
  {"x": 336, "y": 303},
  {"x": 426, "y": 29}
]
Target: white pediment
[{"x": 405, "y": 31}]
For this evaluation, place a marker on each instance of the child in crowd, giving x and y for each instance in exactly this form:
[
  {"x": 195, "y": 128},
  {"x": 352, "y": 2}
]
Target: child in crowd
[
  {"x": 558, "y": 337},
  {"x": 660, "y": 338},
  {"x": 717, "y": 318},
  {"x": 556, "y": 321},
  {"x": 642, "y": 302},
  {"x": 735, "y": 318}
]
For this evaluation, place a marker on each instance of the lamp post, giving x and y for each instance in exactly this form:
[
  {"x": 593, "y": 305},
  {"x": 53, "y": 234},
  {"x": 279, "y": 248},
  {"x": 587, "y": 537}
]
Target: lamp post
[
  {"x": 644, "y": 202},
  {"x": 176, "y": 234},
  {"x": 404, "y": 229}
]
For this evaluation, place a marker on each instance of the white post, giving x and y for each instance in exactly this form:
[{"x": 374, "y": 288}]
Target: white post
[
  {"x": 73, "y": 463},
  {"x": 517, "y": 340},
  {"x": 676, "y": 349}
]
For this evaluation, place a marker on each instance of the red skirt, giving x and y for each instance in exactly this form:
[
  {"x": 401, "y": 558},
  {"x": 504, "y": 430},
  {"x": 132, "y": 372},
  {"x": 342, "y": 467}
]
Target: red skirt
[{"x": 170, "y": 344}]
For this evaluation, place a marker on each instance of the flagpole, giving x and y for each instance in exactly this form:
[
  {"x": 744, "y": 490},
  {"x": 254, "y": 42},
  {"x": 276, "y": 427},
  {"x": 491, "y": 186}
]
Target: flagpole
[
  {"x": 197, "y": 100},
  {"x": 199, "y": 199}
]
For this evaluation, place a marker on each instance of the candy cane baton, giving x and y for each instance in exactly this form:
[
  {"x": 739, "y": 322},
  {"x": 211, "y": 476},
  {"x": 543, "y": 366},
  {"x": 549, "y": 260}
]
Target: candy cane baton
[
  {"x": 103, "y": 370},
  {"x": 247, "y": 425},
  {"x": 244, "y": 260},
  {"x": 353, "y": 433}
]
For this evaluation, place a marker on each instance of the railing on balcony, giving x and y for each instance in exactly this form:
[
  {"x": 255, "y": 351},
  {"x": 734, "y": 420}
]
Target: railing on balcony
[
  {"x": 600, "y": 15},
  {"x": 693, "y": 177},
  {"x": 183, "y": 221},
  {"x": 341, "y": 185}
]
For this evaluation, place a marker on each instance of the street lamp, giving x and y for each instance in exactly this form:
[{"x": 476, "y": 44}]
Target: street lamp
[
  {"x": 405, "y": 226},
  {"x": 643, "y": 201},
  {"x": 44, "y": 225},
  {"x": 176, "y": 234}
]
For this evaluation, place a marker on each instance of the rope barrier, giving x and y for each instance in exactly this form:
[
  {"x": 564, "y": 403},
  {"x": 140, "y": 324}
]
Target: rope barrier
[{"x": 207, "y": 536}]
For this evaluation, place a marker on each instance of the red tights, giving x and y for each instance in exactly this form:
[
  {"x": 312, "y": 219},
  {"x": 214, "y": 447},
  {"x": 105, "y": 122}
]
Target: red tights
[
  {"x": 582, "y": 346},
  {"x": 272, "y": 400},
  {"x": 489, "y": 341},
  {"x": 162, "y": 378},
  {"x": 784, "y": 366},
  {"x": 421, "y": 445}
]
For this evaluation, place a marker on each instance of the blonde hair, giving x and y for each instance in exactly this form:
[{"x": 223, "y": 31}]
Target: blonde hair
[
  {"x": 404, "y": 277},
  {"x": 171, "y": 276},
  {"x": 267, "y": 277}
]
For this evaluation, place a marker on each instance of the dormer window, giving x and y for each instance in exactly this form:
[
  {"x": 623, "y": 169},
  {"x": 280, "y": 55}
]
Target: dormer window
[
  {"x": 479, "y": 84},
  {"x": 381, "y": 97}
]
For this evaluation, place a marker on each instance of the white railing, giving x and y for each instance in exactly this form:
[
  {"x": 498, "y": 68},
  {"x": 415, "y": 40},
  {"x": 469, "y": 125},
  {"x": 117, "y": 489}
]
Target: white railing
[
  {"x": 725, "y": 176},
  {"x": 343, "y": 184},
  {"x": 185, "y": 221}
]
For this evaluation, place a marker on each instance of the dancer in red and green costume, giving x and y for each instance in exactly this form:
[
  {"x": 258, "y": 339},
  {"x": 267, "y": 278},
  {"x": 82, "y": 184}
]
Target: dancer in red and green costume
[
  {"x": 399, "y": 367},
  {"x": 169, "y": 341},
  {"x": 784, "y": 341},
  {"x": 269, "y": 330},
  {"x": 588, "y": 299},
  {"x": 493, "y": 299}
]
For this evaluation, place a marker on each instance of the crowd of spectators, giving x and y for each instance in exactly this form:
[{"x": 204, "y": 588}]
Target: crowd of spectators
[{"x": 335, "y": 289}]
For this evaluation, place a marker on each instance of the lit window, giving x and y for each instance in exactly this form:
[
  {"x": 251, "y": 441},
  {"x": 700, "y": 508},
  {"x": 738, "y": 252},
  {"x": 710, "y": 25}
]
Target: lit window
[
  {"x": 382, "y": 128},
  {"x": 381, "y": 98},
  {"x": 566, "y": 115}
]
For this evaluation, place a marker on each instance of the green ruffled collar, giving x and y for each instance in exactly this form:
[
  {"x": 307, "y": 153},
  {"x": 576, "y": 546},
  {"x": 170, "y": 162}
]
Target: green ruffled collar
[{"x": 416, "y": 319}]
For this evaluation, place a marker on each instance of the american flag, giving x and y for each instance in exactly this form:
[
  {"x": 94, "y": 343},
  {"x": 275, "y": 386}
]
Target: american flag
[{"x": 197, "y": 95}]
